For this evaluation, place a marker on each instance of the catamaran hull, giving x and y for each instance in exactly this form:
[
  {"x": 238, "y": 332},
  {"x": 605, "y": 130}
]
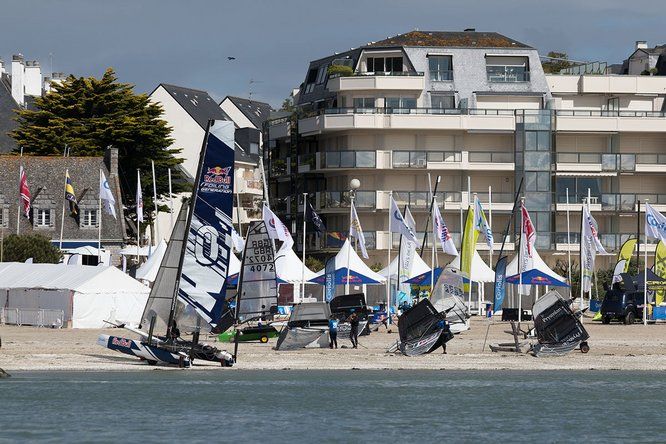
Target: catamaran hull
[
  {"x": 425, "y": 344},
  {"x": 144, "y": 351}
]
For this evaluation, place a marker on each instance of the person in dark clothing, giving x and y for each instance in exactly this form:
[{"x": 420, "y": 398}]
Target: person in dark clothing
[
  {"x": 353, "y": 332},
  {"x": 174, "y": 332},
  {"x": 442, "y": 324},
  {"x": 333, "y": 331}
]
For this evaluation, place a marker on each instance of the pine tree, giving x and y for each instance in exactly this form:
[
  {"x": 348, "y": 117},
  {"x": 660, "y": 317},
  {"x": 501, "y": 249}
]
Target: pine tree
[{"x": 87, "y": 115}]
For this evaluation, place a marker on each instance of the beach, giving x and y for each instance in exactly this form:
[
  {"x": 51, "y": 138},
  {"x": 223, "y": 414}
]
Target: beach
[{"x": 612, "y": 347}]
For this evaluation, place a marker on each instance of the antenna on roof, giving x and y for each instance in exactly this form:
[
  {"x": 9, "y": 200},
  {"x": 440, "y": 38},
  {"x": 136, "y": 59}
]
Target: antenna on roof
[{"x": 250, "y": 83}]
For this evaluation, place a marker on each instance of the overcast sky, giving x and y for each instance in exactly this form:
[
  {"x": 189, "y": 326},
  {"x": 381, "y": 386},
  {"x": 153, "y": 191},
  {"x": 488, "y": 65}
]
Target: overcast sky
[{"x": 187, "y": 42}]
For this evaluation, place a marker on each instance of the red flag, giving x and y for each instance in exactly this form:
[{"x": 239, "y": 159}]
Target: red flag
[
  {"x": 24, "y": 192},
  {"x": 528, "y": 230}
]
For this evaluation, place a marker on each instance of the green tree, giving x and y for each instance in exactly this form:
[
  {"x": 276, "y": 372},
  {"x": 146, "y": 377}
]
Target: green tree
[
  {"x": 36, "y": 246},
  {"x": 313, "y": 263},
  {"x": 557, "y": 61},
  {"x": 87, "y": 115},
  {"x": 288, "y": 105}
]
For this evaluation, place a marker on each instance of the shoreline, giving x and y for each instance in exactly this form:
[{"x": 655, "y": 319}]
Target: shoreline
[{"x": 612, "y": 348}]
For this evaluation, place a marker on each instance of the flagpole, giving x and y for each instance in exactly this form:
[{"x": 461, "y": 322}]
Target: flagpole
[
  {"x": 170, "y": 200},
  {"x": 99, "y": 220},
  {"x": 156, "y": 237},
  {"x": 520, "y": 261},
  {"x": 645, "y": 270},
  {"x": 490, "y": 221},
  {"x": 582, "y": 241},
  {"x": 388, "y": 278},
  {"x": 472, "y": 250},
  {"x": 138, "y": 223},
  {"x": 62, "y": 218},
  {"x": 351, "y": 221},
  {"x": 569, "y": 244},
  {"x": 434, "y": 247},
  {"x": 20, "y": 199},
  {"x": 305, "y": 202}
]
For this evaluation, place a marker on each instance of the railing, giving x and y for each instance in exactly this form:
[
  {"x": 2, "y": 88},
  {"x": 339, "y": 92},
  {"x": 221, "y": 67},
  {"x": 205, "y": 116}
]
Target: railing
[
  {"x": 279, "y": 120},
  {"x": 409, "y": 159},
  {"x": 441, "y": 75},
  {"x": 610, "y": 161},
  {"x": 507, "y": 77},
  {"x": 341, "y": 199},
  {"x": 380, "y": 74},
  {"x": 32, "y": 316},
  {"x": 490, "y": 157},
  {"x": 349, "y": 159},
  {"x": 389, "y": 110},
  {"x": 309, "y": 159},
  {"x": 444, "y": 156},
  {"x": 420, "y": 200},
  {"x": 607, "y": 113},
  {"x": 657, "y": 159},
  {"x": 611, "y": 242},
  {"x": 578, "y": 158},
  {"x": 279, "y": 167},
  {"x": 497, "y": 198}
]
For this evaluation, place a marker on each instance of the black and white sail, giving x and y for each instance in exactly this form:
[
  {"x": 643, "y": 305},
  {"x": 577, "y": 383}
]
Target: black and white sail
[
  {"x": 420, "y": 329},
  {"x": 258, "y": 292},
  {"x": 447, "y": 297},
  {"x": 558, "y": 329}
]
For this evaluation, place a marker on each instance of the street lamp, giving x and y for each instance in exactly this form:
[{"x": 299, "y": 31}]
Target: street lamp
[{"x": 354, "y": 185}]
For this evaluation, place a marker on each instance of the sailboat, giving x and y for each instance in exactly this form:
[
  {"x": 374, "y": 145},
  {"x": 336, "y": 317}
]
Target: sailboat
[
  {"x": 421, "y": 330},
  {"x": 188, "y": 296}
]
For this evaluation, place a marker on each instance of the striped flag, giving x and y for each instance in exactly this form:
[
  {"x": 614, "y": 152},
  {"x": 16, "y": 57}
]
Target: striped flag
[
  {"x": 442, "y": 232},
  {"x": 70, "y": 195},
  {"x": 24, "y": 192}
]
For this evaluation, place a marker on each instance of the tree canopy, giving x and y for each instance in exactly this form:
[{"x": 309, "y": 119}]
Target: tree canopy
[
  {"x": 19, "y": 248},
  {"x": 557, "y": 61},
  {"x": 87, "y": 115}
]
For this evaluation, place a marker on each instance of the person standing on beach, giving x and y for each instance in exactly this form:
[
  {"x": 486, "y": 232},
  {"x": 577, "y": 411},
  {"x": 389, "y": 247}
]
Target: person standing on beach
[
  {"x": 442, "y": 324},
  {"x": 353, "y": 332},
  {"x": 333, "y": 331}
]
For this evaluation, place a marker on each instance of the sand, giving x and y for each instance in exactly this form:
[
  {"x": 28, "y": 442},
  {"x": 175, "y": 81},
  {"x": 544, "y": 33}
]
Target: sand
[{"x": 612, "y": 347}]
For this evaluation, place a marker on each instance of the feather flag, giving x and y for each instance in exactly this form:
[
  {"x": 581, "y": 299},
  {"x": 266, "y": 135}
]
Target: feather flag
[
  {"x": 655, "y": 223},
  {"x": 398, "y": 224},
  {"x": 623, "y": 259},
  {"x": 441, "y": 231},
  {"x": 590, "y": 246},
  {"x": 660, "y": 269},
  {"x": 527, "y": 238},
  {"x": 468, "y": 247},
  {"x": 481, "y": 223},
  {"x": 139, "y": 198}
]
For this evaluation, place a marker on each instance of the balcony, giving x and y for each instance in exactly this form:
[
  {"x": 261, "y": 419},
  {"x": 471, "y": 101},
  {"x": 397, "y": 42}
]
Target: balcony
[
  {"x": 611, "y": 242},
  {"x": 610, "y": 121},
  {"x": 280, "y": 168},
  {"x": 599, "y": 162},
  {"x": 249, "y": 186},
  {"x": 611, "y": 202},
  {"x": 389, "y": 81},
  {"x": 339, "y": 119},
  {"x": 307, "y": 162},
  {"x": 279, "y": 128},
  {"x": 349, "y": 159},
  {"x": 334, "y": 201}
]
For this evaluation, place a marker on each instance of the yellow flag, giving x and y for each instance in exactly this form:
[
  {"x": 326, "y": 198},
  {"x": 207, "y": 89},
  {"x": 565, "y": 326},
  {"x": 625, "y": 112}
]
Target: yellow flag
[
  {"x": 470, "y": 236},
  {"x": 626, "y": 251},
  {"x": 660, "y": 269}
]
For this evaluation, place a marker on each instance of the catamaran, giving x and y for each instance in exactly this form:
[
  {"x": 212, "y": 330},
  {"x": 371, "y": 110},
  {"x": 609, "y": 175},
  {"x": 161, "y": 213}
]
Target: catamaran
[
  {"x": 188, "y": 295},
  {"x": 422, "y": 329}
]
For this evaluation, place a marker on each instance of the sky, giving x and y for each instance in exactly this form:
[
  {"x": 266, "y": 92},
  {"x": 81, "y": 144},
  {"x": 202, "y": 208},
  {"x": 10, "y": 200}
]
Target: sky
[{"x": 187, "y": 42}]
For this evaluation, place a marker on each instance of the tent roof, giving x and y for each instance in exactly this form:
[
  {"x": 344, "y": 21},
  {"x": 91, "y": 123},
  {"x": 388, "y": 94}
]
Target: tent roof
[
  {"x": 289, "y": 267},
  {"x": 481, "y": 272},
  {"x": 148, "y": 270},
  {"x": 536, "y": 277},
  {"x": 359, "y": 272},
  {"x": 131, "y": 250},
  {"x": 424, "y": 278},
  {"x": 418, "y": 267},
  {"x": 80, "y": 278},
  {"x": 537, "y": 263},
  {"x": 85, "y": 251}
]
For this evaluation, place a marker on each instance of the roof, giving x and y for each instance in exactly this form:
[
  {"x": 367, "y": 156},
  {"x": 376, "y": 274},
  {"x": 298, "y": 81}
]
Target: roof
[
  {"x": 451, "y": 39},
  {"x": 257, "y": 112},
  {"x": 198, "y": 104},
  {"x": 79, "y": 278},
  {"x": 7, "y": 115},
  {"x": 656, "y": 50},
  {"x": 359, "y": 272}
]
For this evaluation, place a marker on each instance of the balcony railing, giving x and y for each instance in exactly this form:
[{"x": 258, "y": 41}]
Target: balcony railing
[
  {"x": 613, "y": 161},
  {"x": 490, "y": 157},
  {"x": 307, "y": 160},
  {"x": 419, "y": 200},
  {"x": 606, "y": 113},
  {"x": 495, "y": 76},
  {"x": 381, "y": 74},
  {"x": 444, "y": 156},
  {"x": 341, "y": 199},
  {"x": 349, "y": 159},
  {"x": 439, "y": 111},
  {"x": 441, "y": 75}
]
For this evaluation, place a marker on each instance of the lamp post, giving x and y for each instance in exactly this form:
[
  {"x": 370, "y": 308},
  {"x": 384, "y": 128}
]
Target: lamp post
[{"x": 354, "y": 185}]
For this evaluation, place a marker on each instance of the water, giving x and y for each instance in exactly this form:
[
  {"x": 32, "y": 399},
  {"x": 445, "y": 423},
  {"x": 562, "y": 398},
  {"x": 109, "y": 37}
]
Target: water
[{"x": 332, "y": 406}]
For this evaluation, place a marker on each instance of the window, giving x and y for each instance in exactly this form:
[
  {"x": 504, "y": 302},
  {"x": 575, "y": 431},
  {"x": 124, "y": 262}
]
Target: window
[
  {"x": 321, "y": 75},
  {"x": 400, "y": 159},
  {"x": 384, "y": 64},
  {"x": 43, "y": 217},
  {"x": 364, "y": 104},
  {"x": 400, "y": 105},
  {"x": 310, "y": 80},
  {"x": 441, "y": 68},
  {"x": 2, "y": 217},
  {"x": 614, "y": 104},
  {"x": 440, "y": 101},
  {"x": 254, "y": 148},
  {"x": 89, "y": 218},
  {"x": 507, "y": 69}
]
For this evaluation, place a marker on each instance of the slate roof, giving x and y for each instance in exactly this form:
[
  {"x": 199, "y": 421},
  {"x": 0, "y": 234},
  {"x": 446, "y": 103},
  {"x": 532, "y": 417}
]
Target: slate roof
[
  {"x": 45, "y": 180},
  {"x": 463, "y": 39},
  {"x": 7, "y": 115},
  {"x": 257, "y": 112},
  {"x": 198, "y": 104}
]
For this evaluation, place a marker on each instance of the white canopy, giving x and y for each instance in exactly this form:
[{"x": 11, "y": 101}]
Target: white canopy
[
  {"x": 289, "y": 267},
  {"x": 87, "y": 295},
  {"x": 537, "y": 264},
  {"x": 132, "y": 250},
  {"x": 480, "y": 271},
  {"x": 148, "y": 271},
  {"x": 85, "y": 250},
  {"x": 356, "y": 265},
  {"x": 418, "y": 267}
]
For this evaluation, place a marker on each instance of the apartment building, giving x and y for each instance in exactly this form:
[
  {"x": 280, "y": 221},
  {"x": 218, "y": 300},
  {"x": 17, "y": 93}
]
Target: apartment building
[{"x": 476, "y": 109}]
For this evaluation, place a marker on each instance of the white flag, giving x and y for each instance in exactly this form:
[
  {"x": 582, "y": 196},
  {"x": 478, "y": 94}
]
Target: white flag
[
  {"x": 106, "y": 196},
  {"x": 481, "y": 224},
  {"x": 356, "y": 231},
  {"x": 237, "y": 241},
  {"x": 655, "y": 223},
  {"x": 590, "y": 246},
  {"x": 139, "y": 199},
  {"x": 442, "y": 232},
  {"x": 398, "y": 224},
  {"x": 276, "y": 229}
]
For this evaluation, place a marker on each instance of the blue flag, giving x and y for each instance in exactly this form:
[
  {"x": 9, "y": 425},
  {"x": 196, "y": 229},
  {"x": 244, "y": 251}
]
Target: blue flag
[
  {"x": 330, "y": 279},
  {"x": 500, "y": 283}
]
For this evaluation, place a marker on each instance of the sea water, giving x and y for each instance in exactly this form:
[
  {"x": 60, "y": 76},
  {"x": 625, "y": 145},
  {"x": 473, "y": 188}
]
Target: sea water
[{"x": 332, "y": 406}]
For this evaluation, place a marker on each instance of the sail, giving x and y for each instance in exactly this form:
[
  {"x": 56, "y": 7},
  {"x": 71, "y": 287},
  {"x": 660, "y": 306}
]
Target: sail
[
  {"x": 447, "y": 296},
  {"x": 258, "y": 287},
  {"x": 205, "y": 264},
  {"x": 163, "y": 290}
]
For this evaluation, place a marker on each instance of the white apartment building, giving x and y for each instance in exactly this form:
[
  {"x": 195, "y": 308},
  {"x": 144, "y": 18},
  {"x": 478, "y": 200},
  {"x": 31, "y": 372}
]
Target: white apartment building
[{"x": 474, "y": 108}]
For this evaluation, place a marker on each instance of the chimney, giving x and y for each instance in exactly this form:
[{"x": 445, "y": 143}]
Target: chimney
[
  {"x": 641, "y": 44},
  {"x": 47, "y": 84},
  {"x": 33, "y": 78},
  {"x": 2, "y": 67},
  {"x": 18, "y": 79},
  {"x": 470, "y": 30},
  {"x": 111, "y": 160},
  {"x": 56, "y": 79}
]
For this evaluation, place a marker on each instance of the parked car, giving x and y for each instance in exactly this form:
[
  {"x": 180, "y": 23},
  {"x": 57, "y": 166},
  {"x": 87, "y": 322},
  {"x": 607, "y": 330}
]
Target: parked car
[{"x": 622, "y": 305}]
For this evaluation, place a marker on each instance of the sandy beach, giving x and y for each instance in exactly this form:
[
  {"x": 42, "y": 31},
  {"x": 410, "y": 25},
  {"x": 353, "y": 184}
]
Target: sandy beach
[{"x": 612, "y": 347}]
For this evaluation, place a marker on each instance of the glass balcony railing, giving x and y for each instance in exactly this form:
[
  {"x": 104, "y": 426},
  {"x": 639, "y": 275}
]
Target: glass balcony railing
[
  {"x": 439, "y": 111},
  {"x": 418, "y": 200},
  {"x": 341, "y": 199},
  {"x": 490, "y": 157},
  {"x": 613, "y": 161},
  {"x": 441, "y": 75},
  {"x": 349, "y": 159},
  {"x": 309, "y": 160},
  {"x": 506, "y": 74},
  {"x": 444, "y": 156},
  {"x": 608, "y": 113},
  {"x": 578, "y": 158},
  {"x": 653, "y": 159}
]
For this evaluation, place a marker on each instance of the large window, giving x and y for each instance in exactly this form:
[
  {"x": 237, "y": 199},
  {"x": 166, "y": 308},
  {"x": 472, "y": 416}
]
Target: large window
[
  {"x": 441, "y": 101},
  {"x": 384, "y": 64},
  {"x": 578, "y": 187},
  {"x": 441, "y": 68},
  {"x": 400, "y": 105},
  {"x": 364, "y": 104},
  {"x": 507, "y": 69},
  {"x": 310, "y": 80},
  {"x": 43, "y": 217},
  {"x": 89, "y": 218}
]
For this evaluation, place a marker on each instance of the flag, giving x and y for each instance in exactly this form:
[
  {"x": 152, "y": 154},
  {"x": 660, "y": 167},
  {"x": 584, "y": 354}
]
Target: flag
[
  {"x": 356, "y": 231},
  {"x": 139, "y": 198},
  {"x": 398, "y": 224},
  {"x": 276, "y": 229},
  {"x": 237, "y": 241},
  {"x": 441, "y": 232},
  {"x": 527, "y": 237},
  {"x": 655, "y": 223},
  {"x": 70, "y": 195},
  {"x": 24, "y": 192},
  {"x": 106, "y": 196},
  {"x": 623, "y": 259},
  {"x": 406, "y": 255},
  {"x": 313, "y": 217},
  {"x": 481, "y": 224},
  {"x": 500, "y": 284},
  {"x": 329, "y": 271},
  {"x": 468, "y": 247},
  {"x": 590, "y": 246},
  {"x": 660, "y": 269}
]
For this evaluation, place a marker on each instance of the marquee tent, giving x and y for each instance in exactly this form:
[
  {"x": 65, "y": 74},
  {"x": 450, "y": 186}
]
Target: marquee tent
[
  {"x": 536, "y": 277},
  {"x": 289, "y": 268},
  {"x": 480, "y": 271},
  {"x": 359, "y": 273},
  {"x": 537, "y": 263},
  {"x": 87, "y": 295},
  {"x": 418, "y": 267}
]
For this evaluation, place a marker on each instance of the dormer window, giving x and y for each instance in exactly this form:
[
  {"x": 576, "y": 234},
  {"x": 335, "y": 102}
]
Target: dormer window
[
  {"x": 43, "y": 217},
  {"x": 441, "y": 68},
  {"x": 89, "y": 218},
  {"x": 384, "y": 64},
  {"x": 310, "y": 80},
  {"x": 507, "y": 69}
]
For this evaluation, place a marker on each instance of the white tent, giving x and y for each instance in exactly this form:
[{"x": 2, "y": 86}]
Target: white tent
[
  {"x": 418, "y": 267},
  {"x": 480, "y": 271},
  {"x": 133, "y": 250},
  {"x": 537, "y": 263},
  {"x": 148, "y": 270},
  {"x": 87, "y": 295},
  {"x": 289, "y": 267},
  {"x": 358, "y": 270},
  {"x": 74, "y": 256}
]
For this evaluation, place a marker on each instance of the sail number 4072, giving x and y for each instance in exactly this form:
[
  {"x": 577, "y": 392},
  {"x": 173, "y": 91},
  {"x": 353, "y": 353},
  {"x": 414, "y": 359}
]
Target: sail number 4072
[{"x": 262, "y": 267}]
